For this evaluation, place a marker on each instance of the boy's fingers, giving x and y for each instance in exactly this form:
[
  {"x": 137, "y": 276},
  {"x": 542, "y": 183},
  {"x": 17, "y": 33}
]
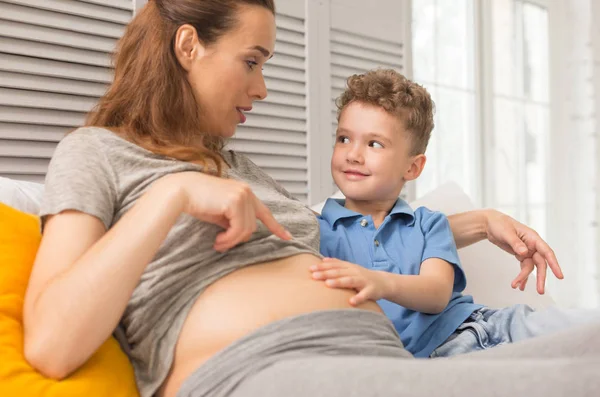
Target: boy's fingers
[
  {"x": 329, "y": 274},
  {"x": 363, "y": 296},
  {"x": 324, "y": 266},
  {"x": 343, "y": 282}
]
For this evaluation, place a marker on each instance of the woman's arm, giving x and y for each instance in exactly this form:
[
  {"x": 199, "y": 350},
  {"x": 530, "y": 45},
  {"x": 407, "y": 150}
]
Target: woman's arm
[
  {"x": 83, "y": 277},
  {"x": 513, "y": 237},
  {"x": 468, "y": 227}
]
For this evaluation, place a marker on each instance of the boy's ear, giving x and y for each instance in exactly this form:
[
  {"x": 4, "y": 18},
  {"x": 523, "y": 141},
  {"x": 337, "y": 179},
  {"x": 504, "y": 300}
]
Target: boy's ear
[
  {"x": 415, "y": 167},
  {"x": 187, "y": 46}
]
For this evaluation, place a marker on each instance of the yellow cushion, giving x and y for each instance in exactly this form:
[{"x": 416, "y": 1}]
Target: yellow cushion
[{"x": 107, "y": 373}]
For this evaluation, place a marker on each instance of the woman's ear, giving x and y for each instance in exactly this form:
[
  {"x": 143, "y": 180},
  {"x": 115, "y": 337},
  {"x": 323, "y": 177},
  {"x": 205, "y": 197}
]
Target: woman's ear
[
  {"x": 187, "y": 46},
  {"x": 415, "y": 167}
]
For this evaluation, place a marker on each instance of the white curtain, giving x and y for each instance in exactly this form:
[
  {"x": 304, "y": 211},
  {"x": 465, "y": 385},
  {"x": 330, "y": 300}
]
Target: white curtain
[{"x": 574, "y": 160}]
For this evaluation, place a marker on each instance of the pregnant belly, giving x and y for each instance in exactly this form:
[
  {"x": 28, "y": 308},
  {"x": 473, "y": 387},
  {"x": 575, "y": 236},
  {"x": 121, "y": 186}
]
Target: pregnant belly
[{"x": 245, "y": 300}]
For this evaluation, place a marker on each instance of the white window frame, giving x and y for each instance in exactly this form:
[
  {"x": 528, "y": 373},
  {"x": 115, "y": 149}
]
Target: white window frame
[
  {"x": 320, "y": 140},
  {"x": 485, "y": 93},
  {"x": 477, "y": 145},
  {"x": 410, "y": 189}
]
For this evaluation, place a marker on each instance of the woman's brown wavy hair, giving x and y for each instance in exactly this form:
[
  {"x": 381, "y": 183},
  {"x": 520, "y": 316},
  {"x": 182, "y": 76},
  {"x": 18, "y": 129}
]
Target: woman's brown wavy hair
[{"x": 150, "y": 101}]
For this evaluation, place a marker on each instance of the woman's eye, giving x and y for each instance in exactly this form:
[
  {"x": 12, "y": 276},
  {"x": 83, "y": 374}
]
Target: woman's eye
[
  {"x": 251, "y": 64},
  {"x": 375, "y": 144}
]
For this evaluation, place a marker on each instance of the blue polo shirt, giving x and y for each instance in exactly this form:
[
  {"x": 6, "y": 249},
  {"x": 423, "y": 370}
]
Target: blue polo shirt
[{"x": 401, "y": 243}]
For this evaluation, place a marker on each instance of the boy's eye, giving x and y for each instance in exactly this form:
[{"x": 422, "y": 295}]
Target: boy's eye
[
  {"x": 375, "y": 144},
  {"x": 343, "y": 139}
]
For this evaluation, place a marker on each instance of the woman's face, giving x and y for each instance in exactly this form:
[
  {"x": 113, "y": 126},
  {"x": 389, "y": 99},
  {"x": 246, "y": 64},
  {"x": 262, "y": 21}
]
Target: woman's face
[{"x": 227, "y": 76}]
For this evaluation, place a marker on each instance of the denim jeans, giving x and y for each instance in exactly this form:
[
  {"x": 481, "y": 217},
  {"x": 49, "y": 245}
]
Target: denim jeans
[{"x": 487, "y": 328}]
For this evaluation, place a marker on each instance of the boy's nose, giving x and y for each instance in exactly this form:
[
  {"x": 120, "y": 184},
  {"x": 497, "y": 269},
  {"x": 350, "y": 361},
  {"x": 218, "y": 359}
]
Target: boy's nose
[{"x": 354, "y": 156}]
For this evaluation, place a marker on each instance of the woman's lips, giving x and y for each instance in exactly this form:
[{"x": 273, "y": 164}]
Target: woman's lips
[{"x": 242, "y": 116}]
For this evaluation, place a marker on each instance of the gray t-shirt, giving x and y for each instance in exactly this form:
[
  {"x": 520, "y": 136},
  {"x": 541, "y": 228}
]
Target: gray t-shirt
[{"x": 97, "y": 172}]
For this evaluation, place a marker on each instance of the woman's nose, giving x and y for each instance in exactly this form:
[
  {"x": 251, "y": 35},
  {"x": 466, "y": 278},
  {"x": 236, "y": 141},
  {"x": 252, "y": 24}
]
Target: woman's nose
[{"x": 259, "y": 88}]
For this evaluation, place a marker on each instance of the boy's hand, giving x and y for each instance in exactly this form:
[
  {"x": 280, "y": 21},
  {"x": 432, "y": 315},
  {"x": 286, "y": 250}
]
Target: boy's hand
[{"x": 370, "y": 284}]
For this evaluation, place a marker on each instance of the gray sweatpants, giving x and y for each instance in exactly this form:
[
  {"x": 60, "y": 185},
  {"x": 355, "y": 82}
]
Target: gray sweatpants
[{"x": 358, "y": 353}]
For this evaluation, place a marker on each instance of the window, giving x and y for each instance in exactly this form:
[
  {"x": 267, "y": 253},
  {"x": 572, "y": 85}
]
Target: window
[
  {"x": 492, "y": 99},
  {"x": 444, "y": 62},
  {"x": 521, "y": 105}
]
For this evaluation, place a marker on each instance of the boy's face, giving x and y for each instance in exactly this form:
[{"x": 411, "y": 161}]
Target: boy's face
[{"x": 371, "y": 157}]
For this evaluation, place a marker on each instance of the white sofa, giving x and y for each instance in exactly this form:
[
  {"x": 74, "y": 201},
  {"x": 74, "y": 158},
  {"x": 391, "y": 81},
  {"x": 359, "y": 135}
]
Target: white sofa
[{"x": 489, "y": 270}]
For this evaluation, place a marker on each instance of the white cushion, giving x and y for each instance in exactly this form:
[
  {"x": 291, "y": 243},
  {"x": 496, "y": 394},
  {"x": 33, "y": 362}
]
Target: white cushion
[{"x": 22, "y": 195}]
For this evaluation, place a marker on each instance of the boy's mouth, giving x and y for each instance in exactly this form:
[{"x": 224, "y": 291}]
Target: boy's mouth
[{"x": 355, "y": 174}]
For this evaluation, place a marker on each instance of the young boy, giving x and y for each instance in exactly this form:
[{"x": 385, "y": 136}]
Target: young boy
[{"x": 407, "y": 260}]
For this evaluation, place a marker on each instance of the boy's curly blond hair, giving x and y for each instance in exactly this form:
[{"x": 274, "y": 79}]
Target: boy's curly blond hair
[{"x": 399, "y": 96}]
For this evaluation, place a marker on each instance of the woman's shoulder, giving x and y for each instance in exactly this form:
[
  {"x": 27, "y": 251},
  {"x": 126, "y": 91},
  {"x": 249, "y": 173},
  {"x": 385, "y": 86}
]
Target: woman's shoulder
[
  {"x": 243, "y": 166},
  {"x": 85, "y": 140},
  {"x": 240, "y": 163},
  {"x": 236, "y": 159},
  {"x": 99, "y": 141},
  {"x": 250, "y": 172},
  {"x": 93, "y": 135}
]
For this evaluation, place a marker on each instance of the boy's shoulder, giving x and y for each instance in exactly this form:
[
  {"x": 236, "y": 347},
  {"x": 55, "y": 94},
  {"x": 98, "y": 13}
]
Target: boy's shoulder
[
  {"x": 422, "y": 214},
  {"x": 426, "y": 213},
  {"x": 421, "y": 220},
  {"x": 427, "y": 217}
]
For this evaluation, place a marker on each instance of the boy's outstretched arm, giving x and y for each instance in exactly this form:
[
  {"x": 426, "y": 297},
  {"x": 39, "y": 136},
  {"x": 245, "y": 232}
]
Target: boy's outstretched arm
[{"x": 428, "y": 292}]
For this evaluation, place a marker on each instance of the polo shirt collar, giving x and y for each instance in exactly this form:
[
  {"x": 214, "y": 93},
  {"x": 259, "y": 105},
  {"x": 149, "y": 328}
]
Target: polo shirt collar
[{"x": 334, "y": 210}]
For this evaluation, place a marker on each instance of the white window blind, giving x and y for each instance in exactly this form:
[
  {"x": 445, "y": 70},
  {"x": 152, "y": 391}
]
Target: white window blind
[
  {"x": 54, "y": 65},
  {"x": 274, "y": 135},
  {"x": 363, "y": 38}
]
